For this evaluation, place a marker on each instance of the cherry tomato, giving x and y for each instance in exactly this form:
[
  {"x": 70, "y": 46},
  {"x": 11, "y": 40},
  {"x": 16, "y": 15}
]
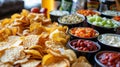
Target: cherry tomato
[
  {"x": 74, "y": 43},
  {"x": 44, "y": 11},
  {"x": 78, "y": 42},
  {"x": 35, "y": 10},
  {"x": 80, "y": 48}
]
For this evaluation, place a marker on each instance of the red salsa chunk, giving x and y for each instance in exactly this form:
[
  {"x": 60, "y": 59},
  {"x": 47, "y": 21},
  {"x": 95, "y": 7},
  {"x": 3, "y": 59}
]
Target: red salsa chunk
[{"x": 110, "y": 59}]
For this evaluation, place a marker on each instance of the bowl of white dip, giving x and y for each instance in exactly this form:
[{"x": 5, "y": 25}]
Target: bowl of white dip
[{"x": 109, "y": 41}]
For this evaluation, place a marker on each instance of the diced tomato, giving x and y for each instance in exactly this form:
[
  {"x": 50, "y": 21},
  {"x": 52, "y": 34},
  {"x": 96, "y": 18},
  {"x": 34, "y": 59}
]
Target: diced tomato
[
  {"x": 83, "y": 32},
  {"x": 110, "y": 59},
  {"x": 87, "y": 12}
]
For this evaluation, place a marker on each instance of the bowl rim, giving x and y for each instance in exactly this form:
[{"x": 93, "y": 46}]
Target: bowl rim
[
  {"x": 99, "y": 13},
  {"x": 66, "y": 12},
  {"x": 103, "y": 26},
  {"x": 109, "y": 15},
  {"x": 99, "y": 37},
  {"x": 82, "y": 37},
  {"x": 99, "y": 47},
  {"x": 97, "y": 54},
  {"x": 83, "y": 19}
]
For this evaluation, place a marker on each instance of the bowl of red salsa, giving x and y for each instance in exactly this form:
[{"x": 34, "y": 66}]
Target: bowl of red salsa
[{"x": 108, "y": 59}]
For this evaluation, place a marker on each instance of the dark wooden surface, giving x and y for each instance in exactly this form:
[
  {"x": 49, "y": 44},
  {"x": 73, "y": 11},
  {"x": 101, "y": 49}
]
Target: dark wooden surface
[{"x": 16, "y": 9}]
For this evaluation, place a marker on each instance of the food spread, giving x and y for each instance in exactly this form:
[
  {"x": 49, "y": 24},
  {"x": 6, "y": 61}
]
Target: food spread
[{"x": 31, "y": 40}]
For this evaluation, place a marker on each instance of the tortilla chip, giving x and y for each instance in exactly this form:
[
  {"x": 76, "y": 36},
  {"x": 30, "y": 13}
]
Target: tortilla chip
[
  {"x": 5, "y": 65},
  {"x": 4, "y": 45},
  {"x": 81, "y": 62},
  {"x": 57, "y": 62},
  {"x": 33, "y": 53},
  {"x": 70, "y": 54},
  {"x": 31, "y": 63},
  {"x": 10, "y": 42},
  {"x": 24, "y": 60},
  {"x": 31, "y": 40},
  {"x": 12, "y": 54}
]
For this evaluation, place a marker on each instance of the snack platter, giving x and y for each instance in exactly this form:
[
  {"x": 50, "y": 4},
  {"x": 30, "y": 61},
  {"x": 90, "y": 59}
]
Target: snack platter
[{"x": 30, "y": 39}]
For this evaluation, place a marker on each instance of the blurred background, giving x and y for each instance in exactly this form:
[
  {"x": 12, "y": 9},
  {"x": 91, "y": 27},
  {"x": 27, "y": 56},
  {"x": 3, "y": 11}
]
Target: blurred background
[{"x": 8, "y": 7}]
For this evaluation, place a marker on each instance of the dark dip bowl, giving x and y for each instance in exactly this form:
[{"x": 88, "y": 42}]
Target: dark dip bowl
[
  {"x": 109, "y": 41},
  {"x": 107, "y": 59}
]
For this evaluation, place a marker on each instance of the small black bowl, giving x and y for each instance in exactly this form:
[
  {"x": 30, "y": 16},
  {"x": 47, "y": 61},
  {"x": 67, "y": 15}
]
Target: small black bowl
[
  {"x": 55, "y": 14},
  {"x": 105, "y": 46},
  {"x": 77, "y": 37},
  {"x": 97, "y": 62},
  {"x": 88, "y": 54},
  {"x": 70, "y": 25},
  {"x": 81, "y": 52}
]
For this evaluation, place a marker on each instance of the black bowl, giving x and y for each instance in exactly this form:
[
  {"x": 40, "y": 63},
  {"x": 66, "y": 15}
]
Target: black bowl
[
  {"x": 102, "y": 29},
  {"x": 55, "y": 14},
  {"x": 97, "y": 62},
  {"x": 105, "y": 46},
  {"x": 110, "y": 15},
  {"x": 70, "y": 25},
  {"x": 88, "y": 54},
  {"x": 77, "y": 37},
  {"x": 81, "y": 52}
]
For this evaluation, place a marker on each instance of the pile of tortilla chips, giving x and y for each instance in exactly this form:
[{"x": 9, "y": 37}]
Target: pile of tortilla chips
[{"x": 31, "y": 40}]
